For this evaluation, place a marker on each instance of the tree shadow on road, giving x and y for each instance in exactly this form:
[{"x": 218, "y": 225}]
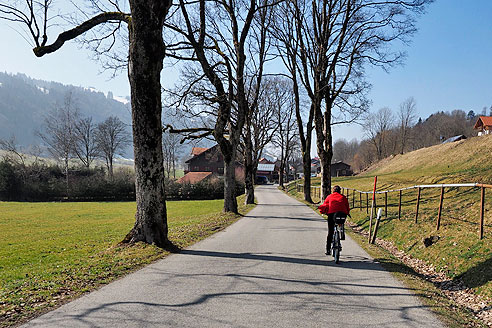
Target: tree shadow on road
[
  {"x": 287, "y": 218},
  {"x": 347, "y": 262}
]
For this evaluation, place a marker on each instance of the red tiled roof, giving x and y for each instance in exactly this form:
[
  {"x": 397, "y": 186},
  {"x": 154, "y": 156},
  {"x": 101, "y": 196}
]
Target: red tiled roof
[
  {"x": 195, "y": 151},
  {"x": 263, "y": 160},
  {"x": 194, "y": 177},
  {"x": 486, "y": 121}
]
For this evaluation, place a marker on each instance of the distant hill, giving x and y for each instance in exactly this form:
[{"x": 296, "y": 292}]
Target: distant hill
[
  {"x": 24, "y": 102},
  {"x": 462, "y": 161}
]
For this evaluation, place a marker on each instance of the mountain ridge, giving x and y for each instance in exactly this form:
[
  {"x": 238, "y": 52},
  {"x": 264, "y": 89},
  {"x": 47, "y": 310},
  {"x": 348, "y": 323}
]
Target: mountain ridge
[{"x": 25, "y": 102}]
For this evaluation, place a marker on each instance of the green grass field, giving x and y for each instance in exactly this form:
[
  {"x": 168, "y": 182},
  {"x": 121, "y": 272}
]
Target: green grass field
[{"x": 51, "y": 252}]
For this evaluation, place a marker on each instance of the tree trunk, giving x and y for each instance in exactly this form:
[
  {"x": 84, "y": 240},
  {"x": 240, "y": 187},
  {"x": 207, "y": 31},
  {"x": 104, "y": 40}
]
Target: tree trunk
[
  {"x": 110, "y": 168},
  {"x": 306, "y": 159},
  {"x": 230, "y": 202},
  {"x": 305, "y": 140},
  {"x": 281, "y": 174},
  {"x": 324, "y": 145},
  {"x": 306, "y": 166},
  {"x": 248, "y": 168},
  {"x": 144, "y": 69},
  {"x": 67, "y": 185}
]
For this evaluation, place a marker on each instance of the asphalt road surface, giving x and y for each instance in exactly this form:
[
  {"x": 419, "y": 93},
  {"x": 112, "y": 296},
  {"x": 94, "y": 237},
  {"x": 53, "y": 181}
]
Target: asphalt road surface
[{"x": 267, "y": 270}]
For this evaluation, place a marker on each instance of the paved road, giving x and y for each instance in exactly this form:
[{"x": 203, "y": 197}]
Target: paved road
[{"x": 266, "y": 270}]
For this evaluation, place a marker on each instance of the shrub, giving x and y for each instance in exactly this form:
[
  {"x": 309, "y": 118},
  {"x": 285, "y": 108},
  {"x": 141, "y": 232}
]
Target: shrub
[
  {"x": 202, "y": 190},
  {"x": 8, "y": 181},
  {"x": 41, "y": 182}
]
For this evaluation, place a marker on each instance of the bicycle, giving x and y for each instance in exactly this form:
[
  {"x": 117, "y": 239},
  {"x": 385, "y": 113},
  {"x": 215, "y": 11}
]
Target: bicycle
[{"x": 338, "y": 236}]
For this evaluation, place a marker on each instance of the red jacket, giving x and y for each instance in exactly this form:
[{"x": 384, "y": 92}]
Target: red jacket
[{"x": 335, "y": 203}]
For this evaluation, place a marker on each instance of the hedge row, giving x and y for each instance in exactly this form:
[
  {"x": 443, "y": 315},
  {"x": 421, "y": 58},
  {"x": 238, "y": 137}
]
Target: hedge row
[{"x": 42, "y": 182}]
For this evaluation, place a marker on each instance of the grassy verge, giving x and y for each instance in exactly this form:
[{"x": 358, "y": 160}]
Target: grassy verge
[
  {"x": 53, "y": 252},
  {"x": 451, "y": 314},
  {"x": 458, "y": 251}
]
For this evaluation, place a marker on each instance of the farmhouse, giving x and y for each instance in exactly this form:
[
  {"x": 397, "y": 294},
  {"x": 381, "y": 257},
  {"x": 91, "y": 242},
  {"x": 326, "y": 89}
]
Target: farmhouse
[
  {"x": 206, "y": 163},
  {"x": 340, "y": 169},
  {"x": 267, "y": 169},
  {"x": 205, "y": 160},
  {"x": 484, "y": 125}
]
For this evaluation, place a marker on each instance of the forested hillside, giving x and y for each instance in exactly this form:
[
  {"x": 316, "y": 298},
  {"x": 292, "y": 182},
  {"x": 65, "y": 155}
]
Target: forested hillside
[
  {"x": 388, "y": 133},
  {"x": 25, "y": 102}
]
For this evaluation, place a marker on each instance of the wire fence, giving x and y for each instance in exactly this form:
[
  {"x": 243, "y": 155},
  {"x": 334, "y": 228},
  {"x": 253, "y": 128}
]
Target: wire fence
[{"x": 362, "y": 199}]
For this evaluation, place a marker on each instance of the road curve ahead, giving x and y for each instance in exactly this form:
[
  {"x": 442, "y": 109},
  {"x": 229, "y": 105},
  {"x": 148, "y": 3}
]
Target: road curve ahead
[{"x": 267, "y": 270}]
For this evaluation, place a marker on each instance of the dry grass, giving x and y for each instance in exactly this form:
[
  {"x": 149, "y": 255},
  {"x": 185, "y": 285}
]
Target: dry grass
[
  {"x": 461, "y": 161},
  {"x": 458, "y": 252}
]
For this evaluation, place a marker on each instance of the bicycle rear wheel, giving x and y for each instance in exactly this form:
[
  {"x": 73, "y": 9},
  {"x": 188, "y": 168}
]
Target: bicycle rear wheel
[{"x": 336, "y": 246}]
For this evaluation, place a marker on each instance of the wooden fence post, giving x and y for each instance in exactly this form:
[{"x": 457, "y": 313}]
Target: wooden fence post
[
  {"x": 360, "y": 201},
  {"x": 440, "y": 209},
  {"x": 418, "y": 204},
  {"x": 482, "y": 211},
  {"x": 376, "y": 227},
  {"x": 367, "y": 203},
  {"x": 386, "y": 204},
  {"x": 373, "y": 206},
  {"x": 353, "y": 198},
  {"x": 399, "y": 207}
]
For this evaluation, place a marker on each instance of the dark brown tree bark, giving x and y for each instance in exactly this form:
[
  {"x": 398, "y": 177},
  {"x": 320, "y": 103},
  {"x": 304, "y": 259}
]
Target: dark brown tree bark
[
  {"x": 144, "y": 71},
  {"x": 228, "y": 150},
  {"x": 249, "y": 167}
]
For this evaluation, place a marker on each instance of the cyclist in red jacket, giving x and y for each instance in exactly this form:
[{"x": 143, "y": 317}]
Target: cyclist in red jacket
[{"x": 334, "y": 203}]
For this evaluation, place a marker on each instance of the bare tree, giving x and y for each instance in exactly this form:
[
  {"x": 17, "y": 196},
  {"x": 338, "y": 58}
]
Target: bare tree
[
  {"x": 262, "y": 126},
  {"x": 288, "y": 45},
  {"x": 145, "y": 62},
  {"x": 287, "y": 132},
  {"x": 171, "y": 148},
  {"x": 13, "y": 153},
  {"x": 364, "y": 157},
  {"x": 337, "y": 40},
  {"x": 406, "y": 117},
  {"x": 378, "y": 128},
  {"x": 221, "y": 38},
  {"x": 344, "y": 150},
  {"x": 58, "y": 133},
  {"x": 112, "y": 138},
  {"x": 85, "y": 146}
]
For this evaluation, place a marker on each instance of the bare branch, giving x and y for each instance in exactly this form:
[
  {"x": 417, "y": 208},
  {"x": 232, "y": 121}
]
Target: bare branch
[{"x": 76, "y": 31}]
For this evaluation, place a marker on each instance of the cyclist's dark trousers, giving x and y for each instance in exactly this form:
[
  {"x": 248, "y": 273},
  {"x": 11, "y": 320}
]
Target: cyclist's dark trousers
[{"x": 331, "y": 228}]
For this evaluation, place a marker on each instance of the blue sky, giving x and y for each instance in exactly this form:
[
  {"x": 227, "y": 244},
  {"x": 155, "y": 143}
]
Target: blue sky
[{"x": 449, "y": 64}]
